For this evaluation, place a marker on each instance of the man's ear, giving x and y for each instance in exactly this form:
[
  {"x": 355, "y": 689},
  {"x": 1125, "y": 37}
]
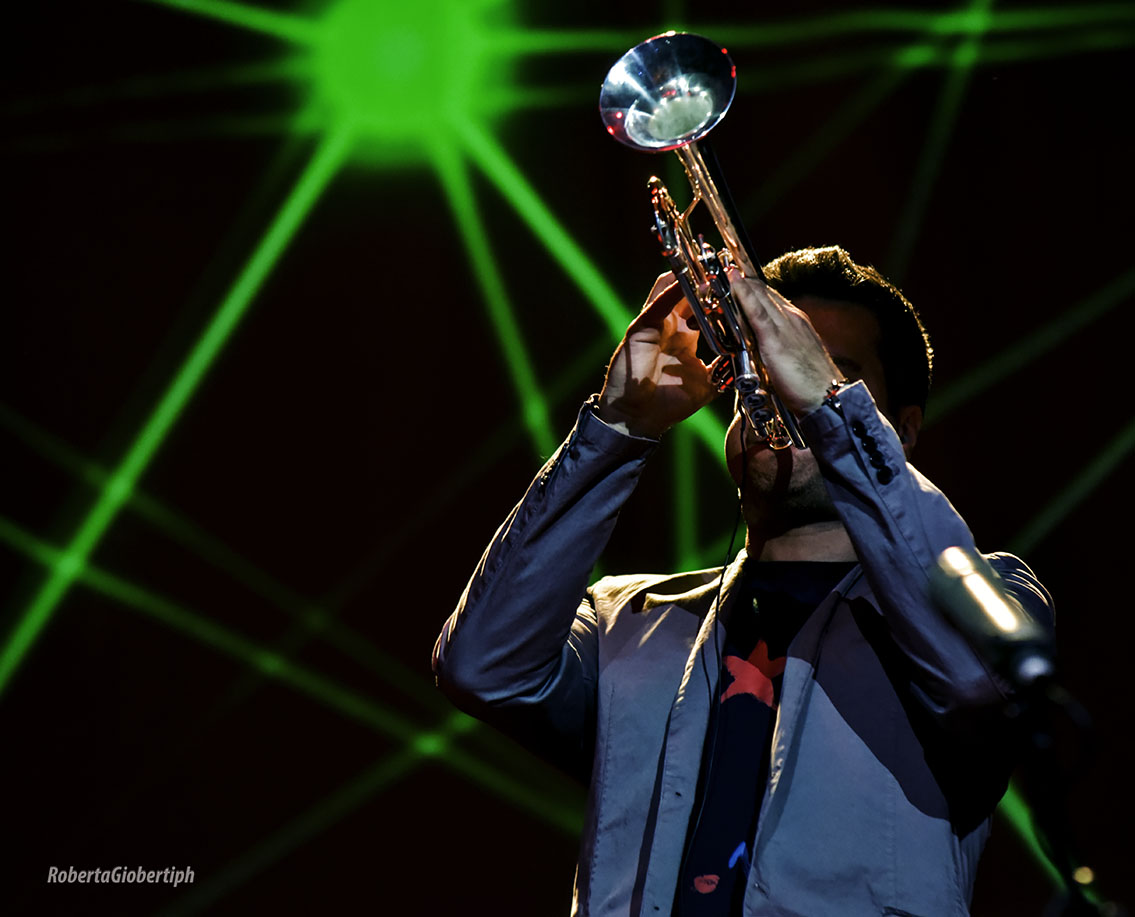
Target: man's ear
[{"x": 908, "y": 423}]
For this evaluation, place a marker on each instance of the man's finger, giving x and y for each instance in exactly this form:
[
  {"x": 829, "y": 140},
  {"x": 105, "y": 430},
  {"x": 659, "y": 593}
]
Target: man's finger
[
  {"x": 752, "y": 296},
  {"x": 664, "y": 280},
  {"x": 664, "y": 297}
]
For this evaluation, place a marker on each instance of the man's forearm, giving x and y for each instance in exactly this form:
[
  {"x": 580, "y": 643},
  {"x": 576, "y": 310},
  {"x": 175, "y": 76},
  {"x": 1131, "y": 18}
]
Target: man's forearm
[
  {"x": 899, "y": 523},
  {"x": 518, "y": 636}
]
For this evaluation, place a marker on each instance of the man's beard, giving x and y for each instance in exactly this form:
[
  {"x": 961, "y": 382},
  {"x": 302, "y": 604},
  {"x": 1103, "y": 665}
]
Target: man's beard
[{"x": 784, "y": 490}]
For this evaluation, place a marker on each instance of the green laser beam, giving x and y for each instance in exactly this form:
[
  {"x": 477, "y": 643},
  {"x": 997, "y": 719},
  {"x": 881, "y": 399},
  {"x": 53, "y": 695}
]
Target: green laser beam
[
  {"x": 288, "y": 124},
  {"x": 463, "y": 204},
  {"x": 814, "y": 28},
  {"x": 942, "y": 121},
  {"x": 400, "y": 72},
  {"x": 802, "y": 161},
  {"x": 513, "y": 99},
  {"x": 1066, "y": 17},
  {"x": 348, "y": 77},
  {"x": 326, "y": 813},
  {"x": 515, "y": 188},
  {"x": 837, "y": 66},
  {"x": 309, "y": 619},
  {"x": 498, "y": 167},
  {"x": 685, "y": 499},
  {"x": 207, "y": 547},
  {"x": 312, "y": 618},
  {"x": 1015, "y": 811},
  {"x": 324, "y": 164},
  {"x": 285, "y": 26},
  {"x": 300, "y": 678},
  {"x": 826, "y": 67},
  {"x": 503, "y": 42},
  {"x": 396, "y": 73},
  {"x": 1013, "y": 807},
  {"x": 516, "y": 41},
  {"x": 164, "y": 519},
  {"x": 293, "y": 835},
  {"x": 312, "y": 822},
  {"x": 143, "y": 86},
  {"x": 817, "y": 29},
  {"x": 489, "y": 450},
  {"x": 1083, "y": 484},
  {"x": 214, "y": 636},
  {"x": 957, "y": 23},
  {"x": 1033, "y": 347},
  {"x": 1094, "y": 41}
]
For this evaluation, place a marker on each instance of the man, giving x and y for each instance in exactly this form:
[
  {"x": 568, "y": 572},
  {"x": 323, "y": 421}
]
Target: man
[{"x": 801, "y": 733}]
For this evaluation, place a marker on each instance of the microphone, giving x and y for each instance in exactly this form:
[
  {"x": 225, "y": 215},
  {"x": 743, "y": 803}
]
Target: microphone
[{"x": 969, "y": 592}]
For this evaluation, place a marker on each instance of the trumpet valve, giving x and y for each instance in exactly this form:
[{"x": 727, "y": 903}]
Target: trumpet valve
[{"x": 721, "y": 373}]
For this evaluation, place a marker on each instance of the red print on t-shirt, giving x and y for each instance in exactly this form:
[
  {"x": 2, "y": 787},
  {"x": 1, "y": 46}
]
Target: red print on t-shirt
[{"x": 754, "y": 675}]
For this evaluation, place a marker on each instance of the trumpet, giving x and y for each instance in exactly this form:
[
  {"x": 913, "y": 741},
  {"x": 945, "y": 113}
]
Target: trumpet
[{"x": 668, "y": 93}]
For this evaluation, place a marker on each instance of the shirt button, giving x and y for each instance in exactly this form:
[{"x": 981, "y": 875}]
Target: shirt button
[
  {"x": 885, "y": 475},
  {"x": 857, "y": 427}
]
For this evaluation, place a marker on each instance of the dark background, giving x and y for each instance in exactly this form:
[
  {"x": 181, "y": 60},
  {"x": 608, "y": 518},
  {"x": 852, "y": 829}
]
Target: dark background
[{"x": 358, "y": 439}]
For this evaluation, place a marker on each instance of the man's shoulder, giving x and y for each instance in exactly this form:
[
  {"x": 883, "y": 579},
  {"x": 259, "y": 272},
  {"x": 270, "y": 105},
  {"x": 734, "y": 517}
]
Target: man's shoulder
[{"x": 643, "y": 591}]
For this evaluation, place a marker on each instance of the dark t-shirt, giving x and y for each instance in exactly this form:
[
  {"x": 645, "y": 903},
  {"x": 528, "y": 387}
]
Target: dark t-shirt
[{"x": 772, "y": 602}]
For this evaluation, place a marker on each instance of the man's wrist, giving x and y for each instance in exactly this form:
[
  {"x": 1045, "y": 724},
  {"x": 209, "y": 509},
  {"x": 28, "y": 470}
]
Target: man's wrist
[
  {"x": 832, "y": 396},
  {"x": 624, "y": 423}
]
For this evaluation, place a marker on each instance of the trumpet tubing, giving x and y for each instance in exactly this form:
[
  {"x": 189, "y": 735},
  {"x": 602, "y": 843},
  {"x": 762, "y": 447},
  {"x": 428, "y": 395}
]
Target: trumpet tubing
[{"x": 668, "y": 93}]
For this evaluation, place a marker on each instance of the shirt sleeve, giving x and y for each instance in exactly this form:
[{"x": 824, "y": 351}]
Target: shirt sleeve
[
  {"x": 899, "y": 523},
  {"x": 520, "y": 651}
]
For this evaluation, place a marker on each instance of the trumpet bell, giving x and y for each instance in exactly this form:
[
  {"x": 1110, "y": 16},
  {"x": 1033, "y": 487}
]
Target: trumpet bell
[{"x": 668, "y": 91}]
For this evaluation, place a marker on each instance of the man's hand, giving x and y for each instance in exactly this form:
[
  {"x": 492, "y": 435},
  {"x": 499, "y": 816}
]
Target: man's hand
[
  {"x": 799, "y": 366},
  {"x": 655, "y": 378}
]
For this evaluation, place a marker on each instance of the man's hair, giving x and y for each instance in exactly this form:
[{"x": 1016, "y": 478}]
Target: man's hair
[{"x": 904, "y": 346}]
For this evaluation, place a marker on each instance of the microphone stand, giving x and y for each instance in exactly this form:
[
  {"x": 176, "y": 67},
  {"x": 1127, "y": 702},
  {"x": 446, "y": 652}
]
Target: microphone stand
[
  {"x": 1046, "y": 779},
  {"x": 1001, "y": 631}
]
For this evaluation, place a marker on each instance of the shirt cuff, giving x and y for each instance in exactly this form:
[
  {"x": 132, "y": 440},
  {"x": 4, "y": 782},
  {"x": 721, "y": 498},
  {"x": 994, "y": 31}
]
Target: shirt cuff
[{"x": 606, "y": 436}]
